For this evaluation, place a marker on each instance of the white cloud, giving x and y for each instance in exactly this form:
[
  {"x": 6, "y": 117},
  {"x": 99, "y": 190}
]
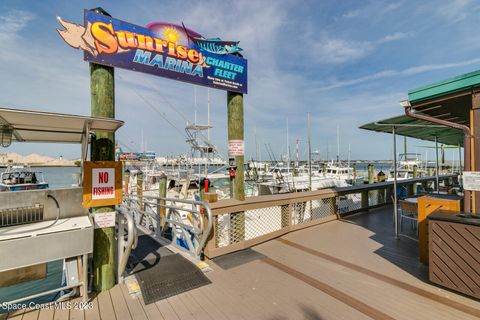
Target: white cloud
[
  {"x": 395, "y": 36},
  {"x": 432, "y": 67},
  {"x": 454, "y": 10},
  {"x": 394, "y": 73},
  {"x": 12, "y": 22},
  {"x": 330, "y": 50}
]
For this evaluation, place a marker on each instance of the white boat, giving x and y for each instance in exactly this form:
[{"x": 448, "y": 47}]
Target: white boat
[{"x": 18, "y": 178}]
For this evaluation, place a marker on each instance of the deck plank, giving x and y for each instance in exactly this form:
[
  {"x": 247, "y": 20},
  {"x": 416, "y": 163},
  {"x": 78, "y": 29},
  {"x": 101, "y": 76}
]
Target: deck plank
[
  {"x": 206, "y": 304},
  {"x": 77, "y": 313},
  {"x": 381, "y": 295},
  {"x": 62, "y": 312},
  {"x": 46, "y": 314},
  {"x": 119, "y": 304},
  {"x": 151, "y": 311},
  {"x": 105, "y": 306},
  {"x": 94, "y": 312},
  {"x": 31, "y": 314},
  {"x": 180, "y": 309},
  {"x": 134, "y": 307},
  {"x": 195, "y": 309},
  {"x": 166, "y": 310}
]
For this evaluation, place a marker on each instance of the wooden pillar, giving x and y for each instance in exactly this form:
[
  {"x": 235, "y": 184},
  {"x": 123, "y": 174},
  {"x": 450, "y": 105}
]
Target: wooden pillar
[
  {"x": 415, "y": 175},
  {"x": 237, "y": 183},
  {"x": 364, "y": 200},
  {"x": 162, "y": 193},
  {"x": 370, "y": 173},
  {"x": 140, "y": 189},
  {"x": 475, "y": 151},
  {"x": 103, "y": 149},
  {"x": 354, "y": 180}
]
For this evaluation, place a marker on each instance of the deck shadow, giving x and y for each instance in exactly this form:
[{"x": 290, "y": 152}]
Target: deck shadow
[
  {"x": 401, "y": 252},
  {"x": 146, "y": 255}
]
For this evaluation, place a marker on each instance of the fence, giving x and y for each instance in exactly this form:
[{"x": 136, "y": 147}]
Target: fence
[{"x": 241, "y": 224}]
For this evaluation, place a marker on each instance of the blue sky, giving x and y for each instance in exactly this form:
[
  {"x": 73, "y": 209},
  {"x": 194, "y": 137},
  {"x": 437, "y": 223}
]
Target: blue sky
[{"x": 345, "y": 62}]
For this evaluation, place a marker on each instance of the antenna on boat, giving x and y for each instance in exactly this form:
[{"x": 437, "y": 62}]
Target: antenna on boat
[
  {"x": 195, "y": 103},
  {"x": 208, "y": 114}
]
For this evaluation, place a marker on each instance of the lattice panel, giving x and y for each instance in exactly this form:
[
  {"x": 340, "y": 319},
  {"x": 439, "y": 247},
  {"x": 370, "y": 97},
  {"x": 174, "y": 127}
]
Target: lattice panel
[
  {"x": 312, "y": 210},
  {"x": 349, "y": 202},
  {"x": 236, "y": 227}
]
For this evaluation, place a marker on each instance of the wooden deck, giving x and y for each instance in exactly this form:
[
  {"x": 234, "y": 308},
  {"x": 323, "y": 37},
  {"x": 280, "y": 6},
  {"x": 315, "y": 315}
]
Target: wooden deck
[{"x": 350, "y": 269}]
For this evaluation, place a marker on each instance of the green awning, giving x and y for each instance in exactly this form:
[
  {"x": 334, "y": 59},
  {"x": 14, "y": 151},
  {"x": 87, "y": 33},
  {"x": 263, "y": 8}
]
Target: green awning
[
  {"x": 418, "y": 129},
  {"x": 463, "y": 82}
]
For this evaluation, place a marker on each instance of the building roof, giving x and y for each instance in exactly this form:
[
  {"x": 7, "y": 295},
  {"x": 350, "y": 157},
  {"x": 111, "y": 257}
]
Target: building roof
[
  {"x": 419, "y": 129},
  {"x": 456, "y": 84}
]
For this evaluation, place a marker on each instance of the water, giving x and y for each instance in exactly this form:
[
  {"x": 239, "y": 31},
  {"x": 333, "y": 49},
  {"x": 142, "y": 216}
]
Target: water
[{"x": 57, "y": 177}]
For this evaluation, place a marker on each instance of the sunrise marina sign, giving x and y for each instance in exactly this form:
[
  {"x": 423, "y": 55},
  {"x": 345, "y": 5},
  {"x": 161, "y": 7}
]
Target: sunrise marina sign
[{"x": 162, "y": 49}]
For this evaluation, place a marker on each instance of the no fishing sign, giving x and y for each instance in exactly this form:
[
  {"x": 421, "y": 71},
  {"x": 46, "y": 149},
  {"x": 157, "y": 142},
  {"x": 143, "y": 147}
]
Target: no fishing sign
[{"x": 102, "y": 183}]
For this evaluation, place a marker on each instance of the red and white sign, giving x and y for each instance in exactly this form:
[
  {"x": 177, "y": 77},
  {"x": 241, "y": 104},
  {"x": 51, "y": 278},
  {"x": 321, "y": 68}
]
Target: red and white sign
[
  {"x": 236, "y": 147},
  {"x": 103, "y": 183}
]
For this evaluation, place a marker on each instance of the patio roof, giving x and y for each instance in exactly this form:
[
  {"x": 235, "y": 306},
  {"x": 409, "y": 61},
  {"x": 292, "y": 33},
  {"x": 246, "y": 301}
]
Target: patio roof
[
  {"x": 36, "y": 126},
  {"x": 418, "y": 129}
]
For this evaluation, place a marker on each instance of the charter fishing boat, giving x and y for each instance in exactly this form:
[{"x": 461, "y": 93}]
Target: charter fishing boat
[
  {"x": 409, "y": 165},
  {"x": 17, "y": 178}
]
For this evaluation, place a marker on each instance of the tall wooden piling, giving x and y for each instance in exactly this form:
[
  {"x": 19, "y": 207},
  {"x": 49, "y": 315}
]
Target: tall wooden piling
[
  {"x": 103, "y": 149},
  {"x": 162, "y": 193},
  {"x": 370, "y": 173},
  {"x": 235, "y": 132}
]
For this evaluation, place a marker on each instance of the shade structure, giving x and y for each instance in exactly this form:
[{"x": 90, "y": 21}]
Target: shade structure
[
  {"x": 37, "y": 126},
  {"x": 418, "y": 129}
]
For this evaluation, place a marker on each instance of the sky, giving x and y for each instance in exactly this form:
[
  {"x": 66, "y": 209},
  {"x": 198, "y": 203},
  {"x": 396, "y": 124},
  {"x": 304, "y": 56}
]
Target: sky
[{"x": 346, "y": 63}]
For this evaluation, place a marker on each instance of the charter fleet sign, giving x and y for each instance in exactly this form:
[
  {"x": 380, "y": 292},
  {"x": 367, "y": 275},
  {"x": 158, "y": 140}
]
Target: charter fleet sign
[
  {"x": 102, "y": 183},
  {"x": 162, "y": 49}
]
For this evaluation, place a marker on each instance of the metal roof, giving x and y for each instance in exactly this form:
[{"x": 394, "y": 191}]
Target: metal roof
[
  {"x": 414, "y": 128},
  {"x": 452, "y": 85},
  {"x": 36, "y": 126}
]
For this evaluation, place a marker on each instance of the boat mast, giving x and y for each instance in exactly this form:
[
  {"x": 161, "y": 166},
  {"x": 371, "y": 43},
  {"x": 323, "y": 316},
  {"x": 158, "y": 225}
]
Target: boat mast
[
  {"x": 338, "y": 144},
  {"x": 288, "y": 150},
  {"x": 309, "y": 154}
]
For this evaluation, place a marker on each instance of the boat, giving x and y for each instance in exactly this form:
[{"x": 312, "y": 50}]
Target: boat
[
  {"x": 18, "y": 178},
  {"x": 409, "y": 165}
]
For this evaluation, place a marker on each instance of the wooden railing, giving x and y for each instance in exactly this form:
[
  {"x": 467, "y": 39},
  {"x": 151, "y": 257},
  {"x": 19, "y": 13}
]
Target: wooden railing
[{"x": 239, "y": 225}]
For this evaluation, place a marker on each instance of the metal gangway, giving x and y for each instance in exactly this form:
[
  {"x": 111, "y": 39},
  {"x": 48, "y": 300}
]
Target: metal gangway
[{"x": 179, "y": 223}]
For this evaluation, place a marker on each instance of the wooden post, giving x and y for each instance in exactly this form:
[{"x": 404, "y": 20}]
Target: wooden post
[
  {"x": 126, "y": 176},
  {"x": 235, "y": 132},
  {"x": 370, "y": 173},
  {"x": 354, "y": 181},
  {"x": 364, "y": 200},
  {"x": 140, "y": 189},
  {"x": 415, "y": 175},
  {"x": 162, "y": 193},
  {"x": 103, "y": 149}
]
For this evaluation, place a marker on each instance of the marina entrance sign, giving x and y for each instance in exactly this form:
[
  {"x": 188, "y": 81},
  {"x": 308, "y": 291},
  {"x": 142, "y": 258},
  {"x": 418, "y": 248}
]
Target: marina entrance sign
[{"x": 162, "y": 49}]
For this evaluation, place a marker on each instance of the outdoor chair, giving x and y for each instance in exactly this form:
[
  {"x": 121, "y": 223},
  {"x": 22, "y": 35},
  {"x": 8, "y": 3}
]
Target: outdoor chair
[{"x": 409, "y": 212}]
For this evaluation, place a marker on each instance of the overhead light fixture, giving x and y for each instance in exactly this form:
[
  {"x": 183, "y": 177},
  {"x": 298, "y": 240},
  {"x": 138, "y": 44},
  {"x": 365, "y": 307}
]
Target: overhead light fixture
[
  {"x": 405, "y": 103},
  {"x": 6, "y": 133}
]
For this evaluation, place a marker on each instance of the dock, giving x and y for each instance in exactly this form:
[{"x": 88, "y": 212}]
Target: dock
[{"x": 351, "y": 268}]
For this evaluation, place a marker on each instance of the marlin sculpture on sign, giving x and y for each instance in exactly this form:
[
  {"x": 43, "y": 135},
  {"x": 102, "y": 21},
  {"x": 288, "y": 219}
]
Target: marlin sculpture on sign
[{"x": 214, "y": 45}]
